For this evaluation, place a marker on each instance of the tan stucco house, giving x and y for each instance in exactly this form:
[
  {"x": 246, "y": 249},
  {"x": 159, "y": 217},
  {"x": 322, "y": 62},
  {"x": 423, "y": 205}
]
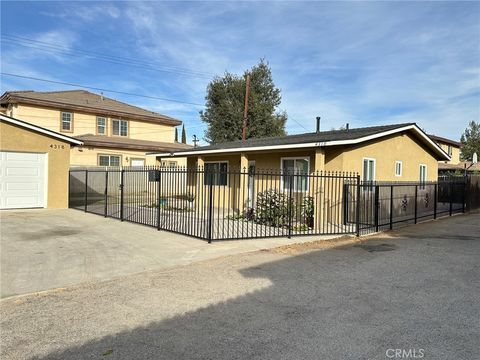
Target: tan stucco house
[
  {"x": 113, "y": 133},
  {"x": 399, "y": 152},
  {"x": 451, "y": 147},
  {"x": 34, "y": 164}
]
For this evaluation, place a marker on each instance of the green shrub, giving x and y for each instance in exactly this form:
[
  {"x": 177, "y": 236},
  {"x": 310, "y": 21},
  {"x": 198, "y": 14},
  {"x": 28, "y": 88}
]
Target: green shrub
[
  {"x": 272, "y": 208},
  {"x": 307, "y": 210}
]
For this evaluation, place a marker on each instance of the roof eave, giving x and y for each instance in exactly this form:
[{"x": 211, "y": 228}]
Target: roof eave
[{"x": 442, "y": 155}]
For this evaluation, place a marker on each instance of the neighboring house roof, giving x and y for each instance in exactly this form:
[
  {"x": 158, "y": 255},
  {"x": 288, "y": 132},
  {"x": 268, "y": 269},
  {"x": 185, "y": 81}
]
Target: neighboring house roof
[
  {"x": 82, "y": 100},
  {"x": 311, "y": 140},
  {"x": 460, "y": 166},
  {"x": 39, "y": 129},
  {"x": 126, "y": 143},
  {"x": 442, "y": 140}
]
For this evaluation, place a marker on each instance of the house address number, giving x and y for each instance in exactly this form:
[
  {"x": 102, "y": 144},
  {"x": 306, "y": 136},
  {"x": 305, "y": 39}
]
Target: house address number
[{"x": 56, "y": 146}]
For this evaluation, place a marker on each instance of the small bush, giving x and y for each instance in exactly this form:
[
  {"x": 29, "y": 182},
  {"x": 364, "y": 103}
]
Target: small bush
[{"x": 272, "y": 208}]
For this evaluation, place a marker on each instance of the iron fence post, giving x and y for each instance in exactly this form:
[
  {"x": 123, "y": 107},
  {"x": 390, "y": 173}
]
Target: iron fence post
[
  {"x": 435, "y": 200},
  {"x": 158, "y": 195},
  {"x": 451, "y": 198},
  {"x": 357, "y": 215},
  {"x": 121, "y": 194},
  {"x": 210, "y": 205},
  {"x": 464, "y": 183},
  {"x": 290, "y": 206},
  {"x": 86, "y": 189},
  {"x": 377, "y": 206},
  {"x": 391, "y": 207},
  {"x": 106, "y": 192},
  {"x": 416, "y": 203}
]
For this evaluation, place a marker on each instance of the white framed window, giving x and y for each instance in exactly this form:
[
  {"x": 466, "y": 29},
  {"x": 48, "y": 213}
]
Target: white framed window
[
  {"x": 300, "y": 168},
  {"x": 109, "y": 160},
  {"x": 101, "y": 125},
  {"x": 173, "y": 164},
  {"x": 216, "y": 173},
  {"x": 66, "y": 121},
  {"x": 398, "y": 168},
  {"x": 423, "y": 175},
  {"x": 368, "y": 169},
  {"x": 119, "y": 127}
]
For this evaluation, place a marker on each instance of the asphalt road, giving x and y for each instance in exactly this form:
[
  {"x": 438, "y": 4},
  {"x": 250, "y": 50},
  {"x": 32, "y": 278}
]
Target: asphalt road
[{"x": 416, "y": 290}]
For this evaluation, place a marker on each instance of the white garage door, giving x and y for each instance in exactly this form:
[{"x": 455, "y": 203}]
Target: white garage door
[{"x": 22, "y": 180}]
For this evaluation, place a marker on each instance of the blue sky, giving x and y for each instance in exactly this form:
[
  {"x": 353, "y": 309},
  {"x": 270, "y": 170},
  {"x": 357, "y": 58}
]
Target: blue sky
[{"x": 364, "y": 63}]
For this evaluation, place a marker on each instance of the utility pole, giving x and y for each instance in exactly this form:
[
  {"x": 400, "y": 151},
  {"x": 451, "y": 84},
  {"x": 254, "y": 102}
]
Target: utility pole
[
  {"x": 195, "y": 140},
  {"x": 245, "y": 111}
]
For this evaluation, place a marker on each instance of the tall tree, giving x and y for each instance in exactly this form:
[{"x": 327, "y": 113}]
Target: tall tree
[
  {"x": 471, "y": 140},
  {"x": 176, "y": 135},
  {"x": 184, "y": 135},
  {"x": 225, "y": 105}
]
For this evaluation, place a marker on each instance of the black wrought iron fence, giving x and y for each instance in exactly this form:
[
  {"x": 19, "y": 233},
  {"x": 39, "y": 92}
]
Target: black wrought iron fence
[
  {"x": 216, "y": 204},
  {"x": 386, "y": 205},
  {"x": 238, "y": 204}
]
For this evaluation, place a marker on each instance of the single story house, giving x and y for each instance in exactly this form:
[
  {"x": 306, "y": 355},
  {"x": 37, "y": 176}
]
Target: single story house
[
  {"x": 34, "y": 165},
  {"x": 398, "y": 152},
  {"x": 252, "y": 174}
]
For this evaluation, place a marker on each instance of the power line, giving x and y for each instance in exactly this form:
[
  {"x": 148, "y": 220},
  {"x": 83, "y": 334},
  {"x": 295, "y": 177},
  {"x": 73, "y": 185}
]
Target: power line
[
  {"x": 51, "y": 47},
  {"x": 98, "y": 89}
]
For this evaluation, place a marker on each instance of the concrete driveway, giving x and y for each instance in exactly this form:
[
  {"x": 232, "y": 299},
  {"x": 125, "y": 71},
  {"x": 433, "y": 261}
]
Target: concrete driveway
[
  {"x": 414, "y": 290},
  {"x": 46, "y": 249}
]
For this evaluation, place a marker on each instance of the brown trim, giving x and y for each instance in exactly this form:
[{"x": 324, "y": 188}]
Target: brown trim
[
  {"x": 119, "y": 155},
  {"x": 91, "y": 110},
  {"x": 113, "y": 145},
  {"x": 71, "y": 121},
  {"x": 96, "y": 125}
]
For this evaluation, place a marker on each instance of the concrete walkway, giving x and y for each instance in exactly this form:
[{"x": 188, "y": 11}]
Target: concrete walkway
[{"x": 46, "y": 249}]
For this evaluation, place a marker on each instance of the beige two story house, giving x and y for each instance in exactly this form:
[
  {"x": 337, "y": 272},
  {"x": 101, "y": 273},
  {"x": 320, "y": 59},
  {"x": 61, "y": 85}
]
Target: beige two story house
[{"x": 113, "y": 133}]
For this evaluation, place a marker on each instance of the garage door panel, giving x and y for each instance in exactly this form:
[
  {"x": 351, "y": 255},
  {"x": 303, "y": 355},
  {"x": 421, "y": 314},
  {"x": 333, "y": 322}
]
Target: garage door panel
[{"x": 23, "y": 180}]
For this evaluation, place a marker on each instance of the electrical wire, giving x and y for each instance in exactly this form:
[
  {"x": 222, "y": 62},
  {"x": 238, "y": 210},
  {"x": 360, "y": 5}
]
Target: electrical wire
[
  {"x": 50, "y": 47},
  {"x": 98, "y": 89}
]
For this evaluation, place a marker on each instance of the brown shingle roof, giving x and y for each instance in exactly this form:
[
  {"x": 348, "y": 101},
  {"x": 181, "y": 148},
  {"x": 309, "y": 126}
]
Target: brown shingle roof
[
  {"x": 82, "y": 100},
  {"x": 439, "y": 139},
  {"x": 132, "y": 144}
]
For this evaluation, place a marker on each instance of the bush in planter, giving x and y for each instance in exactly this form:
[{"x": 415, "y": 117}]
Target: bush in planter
[
  {"x": 307, "y": 210},
  {"x": 272, "y": 208}
]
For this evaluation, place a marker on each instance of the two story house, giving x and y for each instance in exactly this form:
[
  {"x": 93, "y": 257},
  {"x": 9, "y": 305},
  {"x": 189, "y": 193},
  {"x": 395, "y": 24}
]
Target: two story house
[
  {"x": 113, "y": 133},
  {"x": 451, "y": 147}
]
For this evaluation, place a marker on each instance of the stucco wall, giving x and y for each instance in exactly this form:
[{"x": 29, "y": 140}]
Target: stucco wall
[
  {"x": 88, "y": 156},
  {"x": 455, "y": 154},
  {"x": 14, "y": 138},
  {"x": 405, "y": 148},
  {"x": 84, "y": 123}
]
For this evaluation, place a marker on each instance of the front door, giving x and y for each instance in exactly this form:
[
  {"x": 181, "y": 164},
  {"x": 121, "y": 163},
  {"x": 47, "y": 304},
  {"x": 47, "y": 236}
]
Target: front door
[{"x": 251, "y": 184}]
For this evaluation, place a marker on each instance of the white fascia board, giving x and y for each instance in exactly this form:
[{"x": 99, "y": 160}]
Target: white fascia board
[
  {"x": 415, "y": 128},
  {"x": 40, "y": 130}
]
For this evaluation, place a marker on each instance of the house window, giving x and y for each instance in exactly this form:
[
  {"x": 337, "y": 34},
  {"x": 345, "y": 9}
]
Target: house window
[
  {"x": 216, "y": 173},
  {"x": 66, "y": 121},
  {"x": 119, "y": 127},
  {"x": 368, "y": 170},
  {"x": 101, "y": 125},
  {"x": 449, "y": 150},
  {"x": 173, "y": 164},
  {"x": 398, "y": 168},
  {"x": 423, "y": 175},
  {"x": 109, "y": 160},
  {"x": 299, "y": 168}
]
